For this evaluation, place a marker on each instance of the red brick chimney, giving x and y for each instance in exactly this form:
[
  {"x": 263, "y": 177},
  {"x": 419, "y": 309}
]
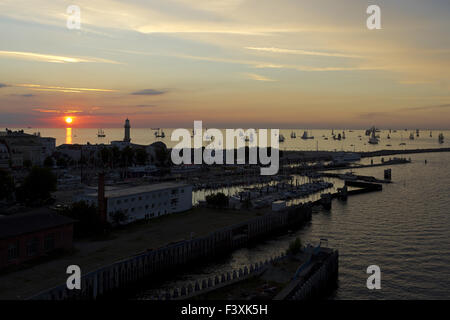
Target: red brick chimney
[{"x": 101, "y": 197}]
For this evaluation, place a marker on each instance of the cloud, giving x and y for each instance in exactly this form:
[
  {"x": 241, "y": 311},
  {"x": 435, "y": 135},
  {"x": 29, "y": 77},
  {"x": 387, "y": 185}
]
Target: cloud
[
  {"x": 303, "y": 52},
  {"x": 149, "y": 92},
  {"x": 258, "y": 77},
  {"x": 146, "y": 106},
  {"x": 439, "y": 106},
  {"x": 56, "y": 111},
  {"x": 39, "y": 87},
  {"x": 27, "y": 95},
  {"x": 52, "y": 58}
]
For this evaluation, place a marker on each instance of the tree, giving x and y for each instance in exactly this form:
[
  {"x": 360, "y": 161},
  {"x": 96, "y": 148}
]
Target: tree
[
  {"x": 295, "y": 246},
  {"x": 37, "y": 186},
  {"x": 141, "y": 156},
  {"x": 6, "y": 185},
  {"x": 88, "y": 221},
  {"x": 218, "y": 200},
  {"x": 105, "y": 156},
  {"x": 127, "y": 157},
  {"x": 118, "y": 217},
  {"x": 27, "y": 164},
  {"x": 48, "y": 162},
  {"x": 61, "y": 162}
]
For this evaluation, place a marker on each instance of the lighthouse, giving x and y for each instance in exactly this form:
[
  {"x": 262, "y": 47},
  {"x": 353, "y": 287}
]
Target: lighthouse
[{"x": 127, "y": 131}]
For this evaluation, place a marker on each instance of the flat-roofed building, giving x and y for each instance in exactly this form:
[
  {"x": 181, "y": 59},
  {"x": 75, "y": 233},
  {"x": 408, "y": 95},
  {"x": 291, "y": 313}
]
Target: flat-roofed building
[
  {"x": 144, "y": 202},
  {"x": 33, "y": 234}
]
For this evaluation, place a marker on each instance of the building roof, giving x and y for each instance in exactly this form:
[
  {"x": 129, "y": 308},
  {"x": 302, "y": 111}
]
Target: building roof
[
  {"x": 31, "y": 221},
  {"x": 140, "y": 189}
]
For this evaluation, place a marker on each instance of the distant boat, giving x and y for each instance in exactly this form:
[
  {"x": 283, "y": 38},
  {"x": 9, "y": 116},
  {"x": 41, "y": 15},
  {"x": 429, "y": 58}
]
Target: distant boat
[
  {"x": 373, "y": 139},
  {"x": 431, "y": 134},
  {"x": 417, "y": 132},
  {"x": 305, "y": 136},
  {"x": 388, "y": 136},
  {"x": 411, "y": 136},
  {"x": 101, "y": 133},
  {"x": 281, "y": 138},
  {"x": 159, "y": 134},
  {"x": 293, "y": 135},
  {"x": 441, "y": 138},
  {"x": 343, "y": 134}
]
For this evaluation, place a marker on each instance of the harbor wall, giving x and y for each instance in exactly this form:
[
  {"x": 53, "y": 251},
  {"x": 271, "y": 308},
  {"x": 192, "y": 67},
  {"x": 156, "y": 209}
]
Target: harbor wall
[
  {"x": 123, "y": 274},
  {"x": 323, "y": 280}
]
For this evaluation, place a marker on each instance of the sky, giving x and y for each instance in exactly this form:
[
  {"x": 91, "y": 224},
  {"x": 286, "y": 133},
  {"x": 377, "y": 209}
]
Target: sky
[{"x": 229, "y": 63}]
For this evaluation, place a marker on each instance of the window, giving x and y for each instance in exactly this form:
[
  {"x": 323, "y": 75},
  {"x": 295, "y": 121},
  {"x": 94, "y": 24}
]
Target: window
[
  {"x": 49, "y": 242},
  {"x": 32, "y": 246},
  {"x": 13, "y": 250}
]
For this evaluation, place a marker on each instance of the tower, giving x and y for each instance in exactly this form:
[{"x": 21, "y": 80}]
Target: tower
[{"x": 127, "y": 131}]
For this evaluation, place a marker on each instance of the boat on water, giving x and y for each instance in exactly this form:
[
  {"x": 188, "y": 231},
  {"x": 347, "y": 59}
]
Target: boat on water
[
  {"x": 388, "y": 136},
  {"x": 160, "y": 134},
  {"x": 343, "y": 134},
  {"x": 373, "y": 139},
  {"x": 293, "y": 135},
  {"x": 431, "y": 134},
  {"x": 305, "y": 136},
  {"x": 441, "y": 138},
  {"x": 101, "y": 133},
  {"x": 411, "y": 136},
  {"x": 417, "y": 132},
  {"x": 281, "y": 138}
]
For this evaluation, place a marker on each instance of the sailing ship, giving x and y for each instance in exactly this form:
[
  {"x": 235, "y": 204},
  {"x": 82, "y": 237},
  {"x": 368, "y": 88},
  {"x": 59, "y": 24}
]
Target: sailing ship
[
  {"x": 159, "y": 133},
  {"x": 101, "y": 133},
  {"x": 411, "y": 136},
  {"x": 293, "y": 135},
  {"x": 281, "y": 138},
  {"x": 305, "y": 136}
]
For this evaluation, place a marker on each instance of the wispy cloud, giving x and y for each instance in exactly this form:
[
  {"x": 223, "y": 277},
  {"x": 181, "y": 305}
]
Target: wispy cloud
[
  {"x": 52, "y": 58},
  {"x": 439, "y": 106},
  {"x": 257, "y": 77},
  {"x": 303, "y": 52},
  {"x": 39, "y": 87},
  {"x": 56, "y": 111},
  {"x": 149, "y": 92},
  {"x": 146, "y": 106}
]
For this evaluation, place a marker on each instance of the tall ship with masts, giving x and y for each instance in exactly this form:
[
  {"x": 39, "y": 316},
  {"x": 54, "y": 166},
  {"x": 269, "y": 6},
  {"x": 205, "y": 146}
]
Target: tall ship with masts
[{"x": 101, "y": 133}]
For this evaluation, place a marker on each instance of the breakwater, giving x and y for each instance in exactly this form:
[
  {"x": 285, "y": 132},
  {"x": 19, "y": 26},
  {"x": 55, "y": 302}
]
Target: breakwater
[{"x": 124, "y": 274}]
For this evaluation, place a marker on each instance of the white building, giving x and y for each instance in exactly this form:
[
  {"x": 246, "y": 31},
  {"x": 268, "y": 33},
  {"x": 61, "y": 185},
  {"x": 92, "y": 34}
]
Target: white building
[{"x": 145, "y": 202}]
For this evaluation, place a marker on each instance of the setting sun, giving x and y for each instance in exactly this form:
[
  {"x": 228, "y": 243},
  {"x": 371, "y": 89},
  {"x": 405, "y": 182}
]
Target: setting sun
[{"x": 68, "y": 120}]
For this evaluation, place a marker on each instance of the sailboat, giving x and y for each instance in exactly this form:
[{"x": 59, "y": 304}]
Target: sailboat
[
  {"x": 305, "y": 136},
  {"x": 373, "y": 139},
  {"x": 293, "y": 135},
  {"x": 159, "y": 134},
  {"x": 281, "y": 138},
  {"x": 411, "y": 136},
  {"x": 101, "y": 133},
  {"x": 441, "y": 138}
]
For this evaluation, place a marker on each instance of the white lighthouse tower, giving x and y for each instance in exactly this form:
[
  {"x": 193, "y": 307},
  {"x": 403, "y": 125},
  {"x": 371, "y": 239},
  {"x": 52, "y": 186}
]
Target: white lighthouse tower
[{"x": 127, "y": 131}]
